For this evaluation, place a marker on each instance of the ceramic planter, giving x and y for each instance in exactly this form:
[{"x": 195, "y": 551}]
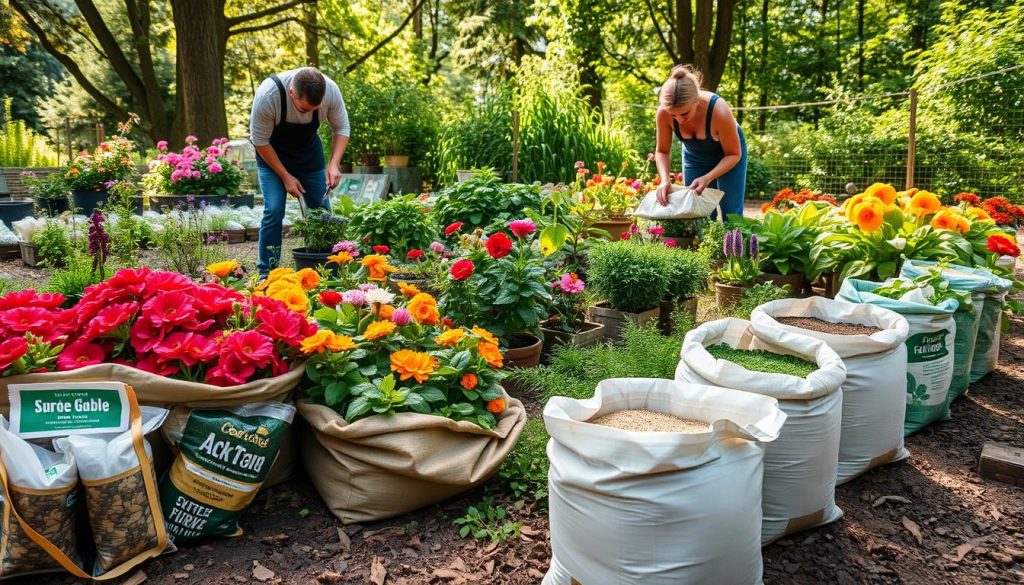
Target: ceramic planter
[
  {"x": 12, "y": 211},
  {"x": 727, "y": 295},
  {"x": 524, "y": 351},
  {"x": 30, "y": 254},
  {"x": 668, "y": 307},
  {"x": 592, "y": 334},
  {"x": 86, "y": 202},
  {"x": 615, "y": 226},
  {"x": 614, "y": 321},
  {"x": 53, "y": 207},
  {"x": 794, "y": 280}
]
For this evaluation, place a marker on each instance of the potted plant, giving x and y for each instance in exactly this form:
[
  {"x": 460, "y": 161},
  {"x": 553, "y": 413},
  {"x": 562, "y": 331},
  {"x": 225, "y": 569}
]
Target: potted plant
[
  {"x": 90, "y": 174},
  {"x": 687, "y": 277},
  {"x": 740, "y": 270},
  {"x": 403, "y": 223},
  {"x": 685, "y": 232},
  {"x": 784, "y": 247},
  {"x": 611, "y": 197},
  {"x": 499, "y": 284},
  {"x": 207, "y": 176},
  {"x": 320, "y": 230},
  {"x": 632, "y": 279},
  {"x": 49, "y": 246},
  {"x": 50, "y": 194},
  {"x": 568, "y": 324}
]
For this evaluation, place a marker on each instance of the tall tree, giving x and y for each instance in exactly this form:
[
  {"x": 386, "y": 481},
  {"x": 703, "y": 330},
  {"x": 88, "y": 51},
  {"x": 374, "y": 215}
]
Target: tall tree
[
  {"x": 584, "y": 23},
  {"x": 687, "y": 37}
]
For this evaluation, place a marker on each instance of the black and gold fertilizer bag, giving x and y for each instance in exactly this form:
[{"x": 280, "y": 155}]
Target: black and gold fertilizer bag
[{"x": 224, "y": 455}]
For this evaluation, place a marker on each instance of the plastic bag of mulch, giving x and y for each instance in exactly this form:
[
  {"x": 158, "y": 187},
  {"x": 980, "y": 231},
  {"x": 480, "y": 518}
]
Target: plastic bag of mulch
[
  {"x": 7, "y": 237},
  {"x": 42, "y": 485},
  {"x": 224, "y": 457},
  {"x": 121, "y": 493}
]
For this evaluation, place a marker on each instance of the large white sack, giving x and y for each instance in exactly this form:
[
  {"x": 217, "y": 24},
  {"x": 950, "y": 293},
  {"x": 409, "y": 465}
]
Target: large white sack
[
  {"x": 875, "y": 390},
  {"x": 800, "y": 467},
  {"x": 658, "y": 508}
]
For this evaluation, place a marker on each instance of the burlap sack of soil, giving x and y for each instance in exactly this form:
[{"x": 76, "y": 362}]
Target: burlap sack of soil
[
  {"x": 383, "y": 466},
  {"x": 800, "y": 467},
  {"x": 875, "y": 390},
  {"x": 158, "y": 391}
]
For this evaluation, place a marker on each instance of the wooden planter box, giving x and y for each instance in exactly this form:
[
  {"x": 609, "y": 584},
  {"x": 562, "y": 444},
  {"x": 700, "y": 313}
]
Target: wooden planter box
[
  {"x": 688, "y": 306},
  {"x": 10, "y": 251},
  {"x": 252, "y": 234},
  {"x": 235, "y": 236},
  {"x": 30, "y": 255},
  {"x": 592, "y": 334},
  {"x": 614, "y": 320}
]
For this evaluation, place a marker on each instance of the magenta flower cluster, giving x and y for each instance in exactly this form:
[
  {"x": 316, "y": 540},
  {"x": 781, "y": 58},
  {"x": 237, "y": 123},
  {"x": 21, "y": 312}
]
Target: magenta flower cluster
[{"x": 189, "y": 163}]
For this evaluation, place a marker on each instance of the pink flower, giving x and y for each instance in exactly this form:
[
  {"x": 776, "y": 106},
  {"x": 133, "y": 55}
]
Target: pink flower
[
  {"x": 109, "y": 318},
  {"x": 287, "y": 326},
  {"x": 215, "y": 168},
  {"x": 571, "y": 283},
  {"x": 670, "y": 243},
  {"x": 80, "y": 354},
  {"x": 161, "y": 146},
  {"x": 633, "y": 229},
  {"x": 657, "y": 230},
  {"x": 579, "y": 164},
  {"x": 24, "y": 319},
  {"x": 249, "y": 347},
  {"x": 522, "y": 227},
  {"x": 151, "y": 363},
  {"x": 356, "y": 298},
  {"x": 11, "y": 350},
  {"x": 638, "y": 184},
  {"x": 437, "y": 247},
  {"x": 190, "y": 139},
  {"x": 195, "y": 174},
  {"x": 169, "y": 309},
  {"x": 401, "y": 317},
  {"x": 213, "y": 150}
]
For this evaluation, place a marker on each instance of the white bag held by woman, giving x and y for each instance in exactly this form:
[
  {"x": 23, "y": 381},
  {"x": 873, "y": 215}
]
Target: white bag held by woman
[
  {"x": 658, "y": 508},
  {"x": 800, "y": 467},
  {"x": 683, "y": 203},
  {"x": 875, "y": 390}
]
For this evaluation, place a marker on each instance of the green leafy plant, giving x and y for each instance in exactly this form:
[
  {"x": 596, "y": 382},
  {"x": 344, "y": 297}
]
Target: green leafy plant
[
  {"x": 484, "y": 200},
  {"x": 632, "y": 277},
  {"x": 524, "y": 473},
  {"x": 320, "y": 230},
  {"x": 51, "y": 187},
  {"x": 684, "y": 228},
  {"x": 784, "y": 245},
  {"x": 741, "y": 268},
  {"x": 758, "y": 360},
  {"x": 756, "y": 296},
  {"x": 129, "y": 232},
  {"x": 687, "y": 272},
  {"x": 182, "y": 242},
  {"x": 21, "y": 147},
  {"x": 403, "y": 223},
  {"x": 480, "y": 137},
  {"x": 53, "y": 244},
  {"x": 72, "y": 280},
  {"x": 712, "y": 240},
  {"x": 486, "y": 520}
]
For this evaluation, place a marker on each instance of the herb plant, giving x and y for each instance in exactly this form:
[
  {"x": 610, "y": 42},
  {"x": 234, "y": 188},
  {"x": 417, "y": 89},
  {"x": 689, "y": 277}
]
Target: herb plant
[
  {"x": 52, "y": 244},
  {"x": 759, "y": 360},
  {"x": 320, "y": 230},
  {"x": 632, "y": 277},
  {"x": 486, "y": 520},
  {"x": 484, "y": 200},
  {"x": 403, "y": 223}
]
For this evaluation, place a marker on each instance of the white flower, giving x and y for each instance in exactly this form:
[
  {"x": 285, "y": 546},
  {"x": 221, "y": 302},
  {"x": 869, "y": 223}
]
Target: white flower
[{"x": 379, "y": 295}]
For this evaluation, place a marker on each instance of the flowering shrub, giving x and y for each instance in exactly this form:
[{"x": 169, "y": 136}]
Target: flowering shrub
[
  {"x": 110, "y": 161},
  {"x": 194, "y": 171},
  {"x": 740, "y": 268},
  {"x": 381, "y": 353},
  {"x": 568, "y": 303},
  {"x": 610, "y": 196}
]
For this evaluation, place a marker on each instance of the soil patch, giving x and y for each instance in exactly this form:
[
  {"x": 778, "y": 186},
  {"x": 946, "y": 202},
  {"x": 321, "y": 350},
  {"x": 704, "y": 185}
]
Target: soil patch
[
  {"x": 822, "y": 326},
  {"x": 643, "y": 420}
]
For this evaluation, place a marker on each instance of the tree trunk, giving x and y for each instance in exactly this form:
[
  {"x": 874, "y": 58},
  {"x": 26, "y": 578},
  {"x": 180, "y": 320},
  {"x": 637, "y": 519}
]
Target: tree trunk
[
  {"x": 201, "y": 37},
  {"x": 417, "y": 21},
  {"x": 312, "y": 34},
  {"x": 742, "y": 89},
  {"x": 763, "y": 67},
  {"x": 697, "y": 45}
]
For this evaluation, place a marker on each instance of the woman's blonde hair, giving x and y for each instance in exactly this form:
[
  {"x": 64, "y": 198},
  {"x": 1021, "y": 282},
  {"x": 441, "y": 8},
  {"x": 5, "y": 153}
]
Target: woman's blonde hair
[{"x": 682, "y": 87}]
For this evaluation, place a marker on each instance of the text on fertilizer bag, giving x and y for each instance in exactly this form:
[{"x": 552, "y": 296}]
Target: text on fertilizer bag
[{"x": 61, "y": 409}]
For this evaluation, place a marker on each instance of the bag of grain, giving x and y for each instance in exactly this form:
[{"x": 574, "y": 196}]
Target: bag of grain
[
  {"x": 929, "y": 347},
  {"x": 870, "y": 341},
  {"x": 658, "y": 508},
  {"x": 224, "y": 456},
  {"x": 42, "y": 486},
  {"x": 121, "y": 492},
  {"x": 800, "y": 467}
]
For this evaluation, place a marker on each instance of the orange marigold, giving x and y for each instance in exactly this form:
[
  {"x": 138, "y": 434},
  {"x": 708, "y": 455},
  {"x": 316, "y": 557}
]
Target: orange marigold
[
  {"x": 945, "y": 220},
  {"x": 294, "y": 298},
  {"x": 386, "y": 311},
  {"x": 379, "y": 329},
  {"x": 423, "y": 309},
  {"x": 377, "y": 266},
  {"x": 485, "y": 335},
  {"x": 450, "y": 338},
  {"x": 222, "y": 269},
  {"x": 887, "y": 193},
  {"x": 413, "y": 364},
  {"x": 468, "y": 381},
  {"x": 490, "y": 353},
  {"x": 326, "y": 339},
  {"x": 869, "y": 215},
  {"x": 497, "y": 406},
  {"x": 923, "y": 203},
  {"x": 308, "y": 278},
  {"x": 340, "y": 258},
  {"x": 408, "y": 290}
]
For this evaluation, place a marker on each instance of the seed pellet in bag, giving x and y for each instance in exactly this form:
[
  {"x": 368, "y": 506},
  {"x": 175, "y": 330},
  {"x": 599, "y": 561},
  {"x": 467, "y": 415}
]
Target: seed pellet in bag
[
  {"x": 224, "y": 456},
  {"x": 120, "y": 493},
  {"x": 42, "y": 485}
]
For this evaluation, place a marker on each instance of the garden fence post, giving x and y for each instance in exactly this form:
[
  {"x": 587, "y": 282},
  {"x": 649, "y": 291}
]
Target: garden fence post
[
  {"x": 67, "y": 134},
  {"x": 515, "y": 145},
  {"x": 101, "y": 134},
  {"x": 912, "y": 138}
]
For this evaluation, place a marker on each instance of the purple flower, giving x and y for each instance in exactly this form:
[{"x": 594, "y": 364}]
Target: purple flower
[
  {"x": 753, "y": 246},
  {"x": 737, "y": 243},
  {"x": 99, "y": 240},
  {"x": 727, "y": 245},
  {"x": 356, "y": 298},
  {"x": 346, "y": 246},
  {"x": 401, "y": 317}
]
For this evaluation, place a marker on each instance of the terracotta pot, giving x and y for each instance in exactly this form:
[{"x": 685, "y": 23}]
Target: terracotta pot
[
  {"x": 614, "y": 321},
  {"x": 794, "y": 280},
  {"x": 592, "y": 334},
  {"x": 615, "y": 226},
  {"x": 524, "y": 351},
  {"x": 727, "y": 295},
  {"x": 396, "y": 161},
  {"x": 688, "y": 306}
]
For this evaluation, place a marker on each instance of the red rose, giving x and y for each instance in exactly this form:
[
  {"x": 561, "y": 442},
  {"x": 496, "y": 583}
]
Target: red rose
[
  {"x": 330, "y": 298},
  {"x": 462, "y": 269},
  {"x": 414, "y": 254},
  {"x": 448, "y": 323},
  {"x": 498, "y": 245},
  {"x": 381, "y": 249},
  {"x": 452, "y": 228}
]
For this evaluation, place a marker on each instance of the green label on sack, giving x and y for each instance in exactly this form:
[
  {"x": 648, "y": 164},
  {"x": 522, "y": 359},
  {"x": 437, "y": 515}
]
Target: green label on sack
[
  {"x": 927, "y": 347},
  {"x": 61, "y": 409}
]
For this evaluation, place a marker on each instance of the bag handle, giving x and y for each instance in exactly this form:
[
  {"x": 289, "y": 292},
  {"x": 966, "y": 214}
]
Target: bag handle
[{"x": 148, "y": 479}]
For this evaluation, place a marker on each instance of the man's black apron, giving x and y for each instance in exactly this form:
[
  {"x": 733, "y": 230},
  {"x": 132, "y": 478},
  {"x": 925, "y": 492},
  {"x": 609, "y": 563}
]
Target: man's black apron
[{"x": 297, "y": 145}]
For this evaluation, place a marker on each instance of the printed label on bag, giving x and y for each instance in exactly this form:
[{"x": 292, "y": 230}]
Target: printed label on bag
[
  {"x": 68, "y": 408},
  {"x": 927, "y": 347},
  {"x": 929, "y": 367}
]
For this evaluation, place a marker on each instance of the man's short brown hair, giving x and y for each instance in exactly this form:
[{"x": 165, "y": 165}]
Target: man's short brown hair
[{"x": 309, "y": 85}]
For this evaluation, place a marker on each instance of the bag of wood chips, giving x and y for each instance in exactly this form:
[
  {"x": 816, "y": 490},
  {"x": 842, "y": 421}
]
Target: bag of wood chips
[{"x": 43, "y": 486}]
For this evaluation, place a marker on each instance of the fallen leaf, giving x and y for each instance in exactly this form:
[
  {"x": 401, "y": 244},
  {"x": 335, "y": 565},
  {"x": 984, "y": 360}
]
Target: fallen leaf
[
  {"x": 261, "y": 573},
  {"x": 377, "y": 572},
  {"x": 137, "y": 579},
  {"x": 913, "y": 528},
  {"x": 459, "y": 565},
  {"x": 454, "y": 576},
  {"x": 528, "y": 531},
  {"x": 962, "y": 550},
  {"x": 996, "y": 514},
  {"x": 885, "y": 499},
  {"x": 490, "y": 547},
  {"x": 383, "y": 534},
  {"x": 489, "y": 567},
  {"x": 346, "y": 542},
  {"x": 329, "y": 577},
  {"x": 534, "y": 573},
  {"x": 276, "y": 539}
]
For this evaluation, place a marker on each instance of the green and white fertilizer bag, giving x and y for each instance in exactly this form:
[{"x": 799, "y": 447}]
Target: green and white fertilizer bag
[
  {"x": 224, "y": 455},
  {"x": 930, "y": 347},
  {"x": 43, "y": 485},
  {"x": 980, "y": 284}
]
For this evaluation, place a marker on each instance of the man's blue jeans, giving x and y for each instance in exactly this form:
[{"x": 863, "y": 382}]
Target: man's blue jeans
[{"x": 274, "y": 198}]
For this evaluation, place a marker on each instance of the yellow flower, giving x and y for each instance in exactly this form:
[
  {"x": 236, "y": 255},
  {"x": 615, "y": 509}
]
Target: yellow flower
[
  {"x": 222, "y": 269},
  {"x": 485, "y": 335},
  {"x": 978, "y": 214},
  {"x": 869, "y": 215},
  {"x": 408, "y": 290},
  {"x": 281, "y": 287},
  {"x": 924, "y": 203},
  {"x": 278, "y": 273},
  {"x": 450, "y": 338},
  {"x": 423, "y": 309},
  {"x": 379, "y": 329},
  {"x": 947, "y": 219},
  {"x": 886, "y": 193},
  {"x": 413, "y": 364},
  {"x": 340, "y": 258},
  {"x": 490, "y": 353},
  {"x": 962, "y": 225},
  {"x": 851, "y": 203},
  {"x": 378, "y": 266},
  {"x": 295, "y": 299},
  {"x": 308, "y": 278},
  {"x": 326, "y": 339}
]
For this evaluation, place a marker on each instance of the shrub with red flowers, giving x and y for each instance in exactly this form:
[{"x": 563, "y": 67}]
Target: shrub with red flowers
[
  {"x": 1003, "y": 212},
  {"x": 159, "y": 322},
  {"x": 787, "y": 199}
]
